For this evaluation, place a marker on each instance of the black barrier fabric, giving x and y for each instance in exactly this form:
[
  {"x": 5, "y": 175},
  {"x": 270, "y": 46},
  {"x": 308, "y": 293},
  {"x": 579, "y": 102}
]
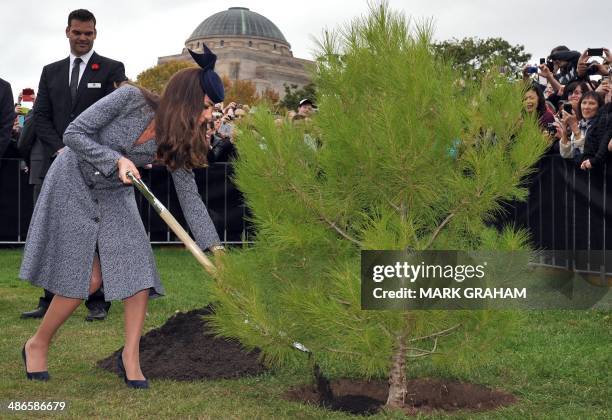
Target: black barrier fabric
[
  {"x": 568, "y": 209},
  {"x": 222, "y": 198}
]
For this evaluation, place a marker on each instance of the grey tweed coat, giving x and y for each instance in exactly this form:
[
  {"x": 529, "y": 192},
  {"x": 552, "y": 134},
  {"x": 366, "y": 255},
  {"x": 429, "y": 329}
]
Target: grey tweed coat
[{"x": 84, "y": 205}]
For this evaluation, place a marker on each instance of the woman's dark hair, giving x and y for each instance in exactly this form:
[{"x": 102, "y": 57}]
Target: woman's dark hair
[
  {"x": 82, "y": 15},
  {"x": 572, "y": 87},
  {"x": 590, "y": 94},
  {"x": 181, "y": 138},
  {"x": 541, "y": 100}
]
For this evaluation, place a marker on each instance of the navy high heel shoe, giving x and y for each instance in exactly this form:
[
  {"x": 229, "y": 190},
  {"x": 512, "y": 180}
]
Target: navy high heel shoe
[
  {"x": 33, "y": 376},
  {"x": 131, "y": 384}
]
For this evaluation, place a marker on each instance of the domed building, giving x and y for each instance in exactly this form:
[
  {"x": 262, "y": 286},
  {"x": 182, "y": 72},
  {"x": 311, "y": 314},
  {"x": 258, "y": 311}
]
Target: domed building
[{"x": 248, "y": 46}]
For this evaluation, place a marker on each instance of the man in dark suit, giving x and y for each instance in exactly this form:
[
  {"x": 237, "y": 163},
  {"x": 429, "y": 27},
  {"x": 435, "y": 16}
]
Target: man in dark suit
[
  {"x": 7, "y": 115},
  {"x": 68, "y": 87}
]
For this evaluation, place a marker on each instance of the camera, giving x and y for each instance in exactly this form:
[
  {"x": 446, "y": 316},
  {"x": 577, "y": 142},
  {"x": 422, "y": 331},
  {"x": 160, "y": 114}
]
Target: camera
[
  {"x": 531, "y": 69},
  {"x": 592, "y": 69},
  {"x": 550, "y": 127},
  {"x": 567, "y": 107},
  {"x": 548, "y": 63},
  {"x": 595, "y": 52}
]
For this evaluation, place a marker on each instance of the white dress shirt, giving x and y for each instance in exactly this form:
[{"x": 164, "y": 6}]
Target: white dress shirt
[{"x": 83, "y": 66}]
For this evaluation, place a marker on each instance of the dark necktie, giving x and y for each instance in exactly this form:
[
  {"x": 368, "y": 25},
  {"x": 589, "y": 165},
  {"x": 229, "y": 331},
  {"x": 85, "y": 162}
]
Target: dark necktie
[{"x": 74, "y": 78}]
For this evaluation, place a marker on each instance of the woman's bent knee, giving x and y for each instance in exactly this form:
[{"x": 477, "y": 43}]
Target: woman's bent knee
[
  {"x": 96, "y": 276},
  {"x": 94, "y": 285}
]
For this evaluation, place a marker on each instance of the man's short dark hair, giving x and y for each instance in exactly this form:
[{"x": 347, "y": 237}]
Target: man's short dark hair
[{"x": 82, "y": 15}]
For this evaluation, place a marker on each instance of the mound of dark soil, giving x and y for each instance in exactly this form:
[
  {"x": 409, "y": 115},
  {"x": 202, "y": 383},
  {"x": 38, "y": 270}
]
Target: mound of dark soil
[
  {"x": 185, "y": 349},
  {"x": 368, "y": 397}
]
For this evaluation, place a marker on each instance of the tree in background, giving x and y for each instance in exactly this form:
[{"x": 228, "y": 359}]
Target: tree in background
[
  {"x": 293, "y": 95},
  {"x": 239, "y": 91},
  {"x": 472, "y": 56},
  {"x": 269, "y": 96},
  {"x": 245, "y": 92},
  {"x": 409, "y": 159},
  {"x": 156, "y": 77}
]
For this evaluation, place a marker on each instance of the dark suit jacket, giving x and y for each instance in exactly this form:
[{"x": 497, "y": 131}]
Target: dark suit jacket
[
  {"x": 54, "y": 109},
  {"x": 7, "y": 115},
  {"x": 27, "y": 138}
]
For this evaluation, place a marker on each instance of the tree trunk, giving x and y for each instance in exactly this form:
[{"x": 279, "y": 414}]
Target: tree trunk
[
  {"x": 323, "y": 386},
  {"x": 398, "y": 387}
]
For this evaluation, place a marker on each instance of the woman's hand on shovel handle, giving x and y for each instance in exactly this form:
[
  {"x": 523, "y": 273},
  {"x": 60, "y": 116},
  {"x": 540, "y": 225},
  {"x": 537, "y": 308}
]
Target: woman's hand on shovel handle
[{"x": 124, "y": 165}]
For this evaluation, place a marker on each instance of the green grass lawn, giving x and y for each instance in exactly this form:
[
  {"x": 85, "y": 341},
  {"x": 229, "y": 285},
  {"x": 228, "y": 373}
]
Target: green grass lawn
[{"x": 558, "y": 366}]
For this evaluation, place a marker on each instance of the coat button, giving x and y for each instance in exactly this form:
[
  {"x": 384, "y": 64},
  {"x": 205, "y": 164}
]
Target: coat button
[{"x": 96, "y": 219}]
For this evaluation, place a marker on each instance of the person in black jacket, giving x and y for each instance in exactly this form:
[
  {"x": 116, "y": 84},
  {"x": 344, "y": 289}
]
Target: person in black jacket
[
  {"x": 68, "y": 87},
  {"x": 597, "y": 142},
  {"x": 7, "y": 115},
  {"x": 27, "y": 137}
]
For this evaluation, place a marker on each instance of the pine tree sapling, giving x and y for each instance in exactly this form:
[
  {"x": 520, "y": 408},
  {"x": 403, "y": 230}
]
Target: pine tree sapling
[{"x": 410, "y": 158}]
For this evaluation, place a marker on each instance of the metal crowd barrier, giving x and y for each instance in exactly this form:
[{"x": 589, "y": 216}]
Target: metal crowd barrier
[
  {"x": 568, "y": 210},
  {"x": 568, "y": 214},
  {"x": 223, "y": 200}
]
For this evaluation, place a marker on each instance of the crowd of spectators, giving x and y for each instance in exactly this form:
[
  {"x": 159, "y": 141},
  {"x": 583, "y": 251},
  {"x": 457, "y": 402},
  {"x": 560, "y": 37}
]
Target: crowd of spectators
[
  {"x": 570, "y": 92},
  {"x": 571, "y": 95}
]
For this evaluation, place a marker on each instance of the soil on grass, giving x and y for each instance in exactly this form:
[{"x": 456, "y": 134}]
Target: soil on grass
[
  {"x": 185, "y": 349},
  {"x": 425, "y": 395}
]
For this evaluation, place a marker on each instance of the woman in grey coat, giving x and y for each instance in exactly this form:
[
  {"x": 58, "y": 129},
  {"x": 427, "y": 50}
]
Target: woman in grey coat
[{"x": 86, "y": 229}]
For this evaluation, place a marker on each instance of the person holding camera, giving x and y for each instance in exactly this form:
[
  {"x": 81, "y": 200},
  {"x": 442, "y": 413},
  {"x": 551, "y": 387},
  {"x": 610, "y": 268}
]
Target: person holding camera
[
  {"x": 588, "y": 67},
  {"x": 579, "y": 124},
  {"x": 559, "y": 70},
  {"x": 574, "y": 92}
]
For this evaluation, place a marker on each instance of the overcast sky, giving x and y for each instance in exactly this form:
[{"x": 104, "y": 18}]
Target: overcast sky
[{"x": 136, "y": 32}]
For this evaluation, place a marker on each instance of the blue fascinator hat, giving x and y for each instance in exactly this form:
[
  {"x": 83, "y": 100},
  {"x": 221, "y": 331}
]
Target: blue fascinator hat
[{"x": 209, "y": 80}]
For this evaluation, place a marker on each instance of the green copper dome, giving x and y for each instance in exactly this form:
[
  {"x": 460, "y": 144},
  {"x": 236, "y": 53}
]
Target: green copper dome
[{"x": 238, "y": 21}]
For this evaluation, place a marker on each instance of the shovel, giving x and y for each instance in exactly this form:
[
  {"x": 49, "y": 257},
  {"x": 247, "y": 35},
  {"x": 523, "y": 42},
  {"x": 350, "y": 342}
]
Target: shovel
[
  {"x": 184, "y": 236},
  {"x": 173, "y": 224}
]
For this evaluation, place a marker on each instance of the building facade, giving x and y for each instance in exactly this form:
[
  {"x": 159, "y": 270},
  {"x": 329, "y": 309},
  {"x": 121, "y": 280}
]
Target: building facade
[{"x": 248, "y": 47}]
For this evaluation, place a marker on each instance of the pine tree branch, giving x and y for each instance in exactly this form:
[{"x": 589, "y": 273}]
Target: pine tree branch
[
  {"x": 436, "y": 334},
  {"x": 353, "y": 353},
  {"x": 425, "y": 352},
  {"x": 396, "y": 208},
  {"x": 278, "y": 277},
  {"x": 342, "y": 302},
  {"x": 332, "y": 224},
  {"x": 402, "y": 209},
  {"x": 403, "y": 212},
  {"x": 438, "y": 229},
  {"x": 341, "y": 232},
  {"x": 421, "y": 354}
]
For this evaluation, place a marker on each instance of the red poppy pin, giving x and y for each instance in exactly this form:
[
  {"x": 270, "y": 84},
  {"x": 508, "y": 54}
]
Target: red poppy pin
[{"x": 95, "y": 67}]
